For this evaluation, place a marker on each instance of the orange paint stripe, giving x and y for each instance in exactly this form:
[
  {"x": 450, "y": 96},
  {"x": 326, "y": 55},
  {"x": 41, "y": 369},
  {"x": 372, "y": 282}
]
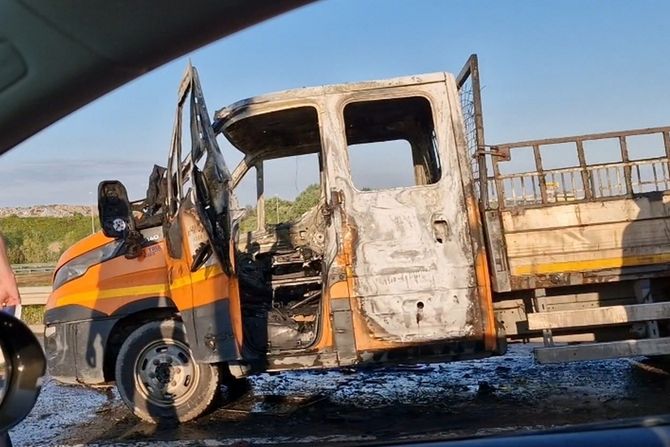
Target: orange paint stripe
[{"x": 595, "y": 264}]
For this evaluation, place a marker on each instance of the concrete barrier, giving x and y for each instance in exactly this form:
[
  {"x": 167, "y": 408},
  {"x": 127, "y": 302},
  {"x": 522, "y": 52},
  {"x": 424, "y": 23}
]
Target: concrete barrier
[{"x": 36, "y": 295}]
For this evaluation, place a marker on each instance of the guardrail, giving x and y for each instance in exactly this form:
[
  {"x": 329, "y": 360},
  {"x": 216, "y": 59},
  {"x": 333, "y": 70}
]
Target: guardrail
[
  {"x": 34, "y": 296},
  {"x": 22, "y": 269}
]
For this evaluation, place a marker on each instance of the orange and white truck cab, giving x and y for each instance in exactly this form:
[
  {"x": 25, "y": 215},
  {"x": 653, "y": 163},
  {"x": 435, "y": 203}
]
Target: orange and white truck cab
[{"x": 174, "y": 298}]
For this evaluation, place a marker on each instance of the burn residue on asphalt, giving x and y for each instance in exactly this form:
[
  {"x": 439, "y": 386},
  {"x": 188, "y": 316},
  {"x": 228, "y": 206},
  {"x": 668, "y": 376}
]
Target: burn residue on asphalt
[
  {"x": 400, "y": 402},
  {"x": 59, "y": 412}
]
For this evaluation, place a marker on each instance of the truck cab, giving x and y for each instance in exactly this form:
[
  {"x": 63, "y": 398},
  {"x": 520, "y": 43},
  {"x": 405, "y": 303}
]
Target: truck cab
[{"x": 364, "y": 275}]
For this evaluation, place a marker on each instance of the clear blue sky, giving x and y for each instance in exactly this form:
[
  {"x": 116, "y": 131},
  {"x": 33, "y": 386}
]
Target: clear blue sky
[{"x": 548, "y": 69}]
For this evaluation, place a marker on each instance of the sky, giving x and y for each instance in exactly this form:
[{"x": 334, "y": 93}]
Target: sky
[{"x": 548, "y": 69}]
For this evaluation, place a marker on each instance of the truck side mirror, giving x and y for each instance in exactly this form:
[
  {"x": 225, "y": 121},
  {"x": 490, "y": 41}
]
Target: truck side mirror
[{"x": 116, "y": 215}]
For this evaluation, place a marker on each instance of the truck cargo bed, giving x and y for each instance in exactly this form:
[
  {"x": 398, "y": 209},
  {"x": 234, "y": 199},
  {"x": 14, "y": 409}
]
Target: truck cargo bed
[{"x": 554, "y": 219}]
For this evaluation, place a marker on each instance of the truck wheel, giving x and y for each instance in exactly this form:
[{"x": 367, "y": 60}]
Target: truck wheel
[{"x": 157, "y": 377}]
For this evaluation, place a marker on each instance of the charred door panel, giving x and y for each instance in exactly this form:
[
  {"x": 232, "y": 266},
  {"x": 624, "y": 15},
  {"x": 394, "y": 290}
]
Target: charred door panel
[
  {"x": 411, "y": 255},
  {"x": 410, "y": 285}
]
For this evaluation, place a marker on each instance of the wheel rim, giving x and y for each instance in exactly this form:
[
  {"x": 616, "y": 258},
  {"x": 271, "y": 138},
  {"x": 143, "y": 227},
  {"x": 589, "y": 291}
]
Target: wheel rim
[{"x": 165, "y": 373}]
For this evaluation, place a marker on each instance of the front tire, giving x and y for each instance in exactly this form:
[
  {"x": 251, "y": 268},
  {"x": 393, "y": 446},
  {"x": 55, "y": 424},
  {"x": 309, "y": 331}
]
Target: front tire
[{"x": 158, "y": 378}]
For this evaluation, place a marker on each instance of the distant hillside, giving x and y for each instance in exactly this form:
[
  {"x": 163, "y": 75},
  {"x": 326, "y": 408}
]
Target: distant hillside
[{"x": 48, "y": 211}]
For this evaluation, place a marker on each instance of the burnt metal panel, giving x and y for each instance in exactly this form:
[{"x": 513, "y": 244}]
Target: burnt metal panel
[
  {"x": 210, "y": 333},
  {"x": 343, "y": 331},
  {"x": 301, "y": 361},
  {"x": 409, "y": 286}
]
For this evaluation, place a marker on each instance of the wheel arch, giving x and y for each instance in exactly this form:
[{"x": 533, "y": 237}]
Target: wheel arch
[{"x": 135, "y": 314}]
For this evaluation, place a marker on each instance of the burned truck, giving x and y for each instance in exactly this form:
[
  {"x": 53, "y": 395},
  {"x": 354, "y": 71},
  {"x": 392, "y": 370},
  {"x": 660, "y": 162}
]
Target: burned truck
[{"x": 183, "y": 293}]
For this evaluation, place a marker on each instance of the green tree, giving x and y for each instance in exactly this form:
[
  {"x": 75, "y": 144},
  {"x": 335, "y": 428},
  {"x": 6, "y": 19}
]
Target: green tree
[
  {"x": 249, "y": 221},
  {"x": 307, "y": 199},
  {"x": 278, "y": 210}
]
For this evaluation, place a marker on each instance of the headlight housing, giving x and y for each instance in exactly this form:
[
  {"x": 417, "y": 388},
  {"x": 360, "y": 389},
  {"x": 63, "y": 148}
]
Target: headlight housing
[{"x": 78, "y": 266}]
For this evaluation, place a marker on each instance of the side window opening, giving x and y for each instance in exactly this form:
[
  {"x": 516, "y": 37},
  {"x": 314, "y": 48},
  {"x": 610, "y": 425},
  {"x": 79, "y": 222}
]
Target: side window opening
[
  {"x": 391, "y": 143},
  {"x": 368, "y": 173}
]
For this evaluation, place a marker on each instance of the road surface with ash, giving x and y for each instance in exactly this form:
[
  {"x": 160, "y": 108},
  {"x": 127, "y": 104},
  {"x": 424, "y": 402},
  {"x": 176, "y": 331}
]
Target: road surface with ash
[{"x": 445, "y": 400}]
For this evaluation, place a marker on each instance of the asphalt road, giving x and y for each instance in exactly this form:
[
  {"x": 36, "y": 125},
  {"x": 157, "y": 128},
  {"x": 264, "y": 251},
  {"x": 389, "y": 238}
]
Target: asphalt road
[{"x": 445, "y": 400}]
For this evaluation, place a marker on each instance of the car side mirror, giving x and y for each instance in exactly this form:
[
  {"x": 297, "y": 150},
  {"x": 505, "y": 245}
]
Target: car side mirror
[
  {"x": 22, "y": 365},
  {"x": 116, "y": 215}
]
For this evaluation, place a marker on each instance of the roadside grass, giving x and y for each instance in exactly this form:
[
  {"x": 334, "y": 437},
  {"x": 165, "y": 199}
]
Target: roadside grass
[{"x": 32, "y": 314}]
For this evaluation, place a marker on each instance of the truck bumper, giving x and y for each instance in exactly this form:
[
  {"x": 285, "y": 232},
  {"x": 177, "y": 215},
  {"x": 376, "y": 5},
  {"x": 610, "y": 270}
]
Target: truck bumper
[{"x": 76, "y": 350}]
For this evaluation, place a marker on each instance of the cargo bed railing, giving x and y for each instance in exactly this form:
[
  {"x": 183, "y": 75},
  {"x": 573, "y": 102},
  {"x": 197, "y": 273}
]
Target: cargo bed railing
[
  {"x": 646, "y": 311},
  {"x": 531, "y": 183}
]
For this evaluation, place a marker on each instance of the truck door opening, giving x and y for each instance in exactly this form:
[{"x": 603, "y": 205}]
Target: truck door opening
[{"x": 279, "y": 244}]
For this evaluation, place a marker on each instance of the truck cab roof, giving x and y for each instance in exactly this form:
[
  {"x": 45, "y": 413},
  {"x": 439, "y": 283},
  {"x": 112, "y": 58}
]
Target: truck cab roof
[{"x": 281, "y": 123}]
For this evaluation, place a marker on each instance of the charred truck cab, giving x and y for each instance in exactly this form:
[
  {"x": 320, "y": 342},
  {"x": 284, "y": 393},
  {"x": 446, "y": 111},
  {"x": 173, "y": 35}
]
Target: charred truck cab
[{"x": 174, "y": 310}]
